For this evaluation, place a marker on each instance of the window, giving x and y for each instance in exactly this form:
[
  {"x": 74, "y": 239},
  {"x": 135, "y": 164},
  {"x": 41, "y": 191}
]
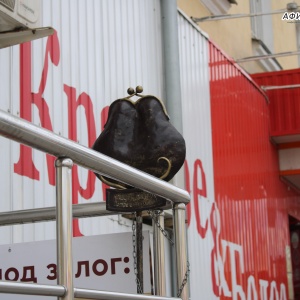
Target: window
[
  {"x": 262, "y": 33},
  {"x": 218, "y": 7},
  {"x": 298, "y": 40},
  {"x": 256, "y": 22},
  {"x": 261, "y": 26}
]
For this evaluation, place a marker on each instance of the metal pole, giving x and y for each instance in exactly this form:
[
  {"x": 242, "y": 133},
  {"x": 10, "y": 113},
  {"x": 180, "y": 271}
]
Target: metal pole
[
  {"x": 139, "y": 252},
  {"x": 171, "y": 61},
  {"x": 34, "y": 136},
  {"x": 171, "y": 65},
  {"x": 159, "y": 255},
  {"x": 64, "y": 230},
  {"x": 180, "y": 248},
  {"x": 31, "y": 289},
  {"x": 266, "y": 56},
  {"x": 236, "y": 16},
  {"x": 278, "y": 87},
  {"x": 93, "y": 294},
  {"x": 82, "y": 210}
]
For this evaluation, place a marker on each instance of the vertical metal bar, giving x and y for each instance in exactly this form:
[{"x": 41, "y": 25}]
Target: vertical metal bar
[
  {"x": 171, "y": 61},
  {"x": 64, "y": 230},
  {"x": 139, "y": 252},
  {"x": 180, "y": 247},
  {"x": 159, "y": 255}
]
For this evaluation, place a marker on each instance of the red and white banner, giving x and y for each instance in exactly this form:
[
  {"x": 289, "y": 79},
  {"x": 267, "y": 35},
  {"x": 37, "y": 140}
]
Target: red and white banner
[{"x": 103, "y": 262}]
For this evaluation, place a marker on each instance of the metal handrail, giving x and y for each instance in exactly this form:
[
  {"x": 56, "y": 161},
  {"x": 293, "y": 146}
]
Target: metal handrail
[
  {"x": 82, "y": 210},
  {"x": 31, "y": 289},
  {"x": 59, "y": 291},
  {"x": 68, "y": 152},
  {"x": 24, "y": 132},
  {"x": 104, "y": 295}
]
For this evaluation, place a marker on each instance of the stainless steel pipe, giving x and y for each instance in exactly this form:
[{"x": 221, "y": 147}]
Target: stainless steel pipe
[
  {"x": 181, "y": 249},
  {"x": 59, "y": 291},
  {"x": 31, "y": 289},
  {"x": 82, "y": 210},
  {"x": 34, "y": 136},
  {"x": 159, "y": 255},
  {"x": 93, "y": 294},
  {"x": 64, "y": 232}
]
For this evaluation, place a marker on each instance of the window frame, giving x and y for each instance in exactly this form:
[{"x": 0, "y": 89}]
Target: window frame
[{"x": 217, "y": 7}]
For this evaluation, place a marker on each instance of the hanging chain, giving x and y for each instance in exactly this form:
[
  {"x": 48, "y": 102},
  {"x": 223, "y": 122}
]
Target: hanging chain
[
  {"x": 138, "y": 284},
  {"x": 154, "y": 215},
  {"x": 155, "y": 219},
  {"x": 185, "y": 279}
]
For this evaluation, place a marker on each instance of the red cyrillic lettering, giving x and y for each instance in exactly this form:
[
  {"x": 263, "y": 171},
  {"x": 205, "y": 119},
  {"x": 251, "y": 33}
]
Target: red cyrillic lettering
[
  {"x": 216, "y": 262},
  {"x": 0, "y": 274},
  {"x": 283, "y": 295},
  {"x": 113, "y": 264},
  {"x": 219, "y": 282},
  {"x": 238, "y": 293},
  {"x": 274, "y": 295},
  {"x": 199, "y": 192},
  {"x": 188, "y": 188},
  {"x": 237, "y": 290},
  {"x": 103, "y": 263},
  {"x": 251, "y": 290},
  {"x": 53, "y": 272},
  {"x": 87, "y": 268},
  {"x": 263, "y": 289},
  {"x": 32, "y": 277},
  {"x": 25, "y": 165},
  {"x": 215, "y": 252},
  {"x": 10, "y": 271},
  {"x": 73, "y": 104},
  {"x": 104, "y": 116}
]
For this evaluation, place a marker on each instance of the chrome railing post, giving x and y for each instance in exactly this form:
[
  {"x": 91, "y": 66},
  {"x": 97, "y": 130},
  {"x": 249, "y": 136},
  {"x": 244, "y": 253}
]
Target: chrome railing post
[
  {"x": 64, "y": 232},
  {"x": 159, "y": 255},
  {"x": 180, "y": 248}
]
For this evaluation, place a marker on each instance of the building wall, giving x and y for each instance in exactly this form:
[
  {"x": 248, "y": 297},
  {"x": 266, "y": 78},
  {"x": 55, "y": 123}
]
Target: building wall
[
  {"x": 234, "y": 35},
  {"x": 285, "y": 38},
  {"x": 65, "y": 83},
  {"x": 284, "y": 103},
  {"x": 253, "y": 203},
  {"x": 238, "y": 232},
  {"x": 199, "y": 177}
]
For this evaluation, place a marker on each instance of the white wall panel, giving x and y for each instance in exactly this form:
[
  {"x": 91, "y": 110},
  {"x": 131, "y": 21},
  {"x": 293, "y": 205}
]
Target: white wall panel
[
  {"x": 194, "y": 64},
  {"x": 102, "y": 48}
]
